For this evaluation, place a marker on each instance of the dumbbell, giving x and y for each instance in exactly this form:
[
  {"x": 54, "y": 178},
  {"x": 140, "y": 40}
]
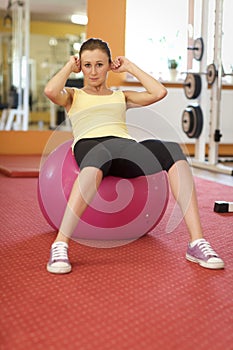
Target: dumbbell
[{"x": 223, "y": 207}]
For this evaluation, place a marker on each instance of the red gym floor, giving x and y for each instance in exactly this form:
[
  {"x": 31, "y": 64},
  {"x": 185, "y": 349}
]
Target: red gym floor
[{"x": 143, "y": 295}]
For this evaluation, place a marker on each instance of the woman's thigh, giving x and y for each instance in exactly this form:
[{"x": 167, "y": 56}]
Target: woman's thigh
[
  {"x": 146, "y": 157},
  {"x": 167, "y": 153}
]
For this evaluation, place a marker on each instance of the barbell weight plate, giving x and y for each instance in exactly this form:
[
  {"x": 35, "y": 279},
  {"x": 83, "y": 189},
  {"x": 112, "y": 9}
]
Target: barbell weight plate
[
  {"x": 192, "y": 85},
  {"x": 212, "y": 73},
  {"x": 192, "y": 121},
  {"x": 198, "y": 49},
  {"x": 197, "y": 122},
  {"x": 187, "y": 120}
]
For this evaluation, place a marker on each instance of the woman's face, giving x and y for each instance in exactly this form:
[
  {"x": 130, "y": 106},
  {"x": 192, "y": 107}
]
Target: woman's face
[{"x": 95, "y": 66}]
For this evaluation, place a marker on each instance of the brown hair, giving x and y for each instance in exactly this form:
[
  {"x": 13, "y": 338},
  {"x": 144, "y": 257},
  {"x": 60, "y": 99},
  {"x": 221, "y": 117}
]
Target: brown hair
[{"x": 93, "y": 44}]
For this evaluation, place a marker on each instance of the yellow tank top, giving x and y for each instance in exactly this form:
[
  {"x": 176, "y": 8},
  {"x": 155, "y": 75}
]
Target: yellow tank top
[{"x": 98, "y": 115}]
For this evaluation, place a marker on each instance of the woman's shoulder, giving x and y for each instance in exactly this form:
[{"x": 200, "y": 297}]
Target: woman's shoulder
[
  {"x": 119, "y": 93},
  {"x": 77, "y": 92},
  {"x": 71, "y": 91}
]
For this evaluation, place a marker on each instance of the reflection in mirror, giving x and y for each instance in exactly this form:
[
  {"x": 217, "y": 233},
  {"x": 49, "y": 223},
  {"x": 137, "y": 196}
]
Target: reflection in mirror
[{"x": 48, "y": 53}]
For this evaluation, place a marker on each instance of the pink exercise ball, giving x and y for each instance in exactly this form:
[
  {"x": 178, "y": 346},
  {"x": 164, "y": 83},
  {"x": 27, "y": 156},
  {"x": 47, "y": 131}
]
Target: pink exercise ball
[{"x": 123, "y": 209}]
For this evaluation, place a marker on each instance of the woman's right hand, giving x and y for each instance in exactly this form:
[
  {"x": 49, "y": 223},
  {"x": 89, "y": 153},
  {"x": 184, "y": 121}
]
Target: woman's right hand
[{"x": 75, "y": 64}]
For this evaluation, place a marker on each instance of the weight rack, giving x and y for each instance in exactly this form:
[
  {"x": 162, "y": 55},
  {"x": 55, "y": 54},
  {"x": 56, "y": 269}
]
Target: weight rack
[{"x": 192, "y": 118}]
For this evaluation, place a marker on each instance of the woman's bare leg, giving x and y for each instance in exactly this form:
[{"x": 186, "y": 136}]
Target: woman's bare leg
[
  {"x": 183, "y": 189},
  {"x": 83, "y": 191}
]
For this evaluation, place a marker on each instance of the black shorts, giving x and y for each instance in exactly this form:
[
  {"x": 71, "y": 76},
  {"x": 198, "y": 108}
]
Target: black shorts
[{"x": 127, "y": 158}]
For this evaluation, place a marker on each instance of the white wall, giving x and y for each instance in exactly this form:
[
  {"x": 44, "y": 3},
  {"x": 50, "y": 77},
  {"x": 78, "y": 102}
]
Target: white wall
[
  {"x": 163, "y": 119},
  {"x": 165, "y": 33}
]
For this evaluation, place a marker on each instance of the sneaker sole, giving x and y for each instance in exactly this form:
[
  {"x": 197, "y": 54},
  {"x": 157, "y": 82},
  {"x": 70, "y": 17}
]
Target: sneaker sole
[
  {"x": 59, "y": 270},
  {"x": 213, "y": 266}
]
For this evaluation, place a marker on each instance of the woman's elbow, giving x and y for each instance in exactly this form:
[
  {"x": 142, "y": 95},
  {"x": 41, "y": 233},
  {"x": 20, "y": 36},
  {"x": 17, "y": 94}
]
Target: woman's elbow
[
  {"x": 163, "y": 93},
  {"x": 48, "y": 92},
  {"x": 160, "y": 95},
  {"x": 51, "y": 95},
  {"x": 156, "y": 96}
]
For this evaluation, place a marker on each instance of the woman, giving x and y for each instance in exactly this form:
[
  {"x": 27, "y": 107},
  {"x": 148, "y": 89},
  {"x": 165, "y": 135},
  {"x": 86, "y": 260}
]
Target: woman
[{"x": 102, "y": 146}]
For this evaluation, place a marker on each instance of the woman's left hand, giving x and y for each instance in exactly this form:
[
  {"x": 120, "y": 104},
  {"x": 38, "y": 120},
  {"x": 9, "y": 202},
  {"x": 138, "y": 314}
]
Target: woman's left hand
[{"x": 120, "y": 64}]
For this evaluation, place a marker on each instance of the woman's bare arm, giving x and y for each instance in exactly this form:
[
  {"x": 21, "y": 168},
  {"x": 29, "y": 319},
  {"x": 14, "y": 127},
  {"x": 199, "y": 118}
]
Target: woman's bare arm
[
  {"x": 55, "y": 89},
  {"x": 154, "y": 90}
]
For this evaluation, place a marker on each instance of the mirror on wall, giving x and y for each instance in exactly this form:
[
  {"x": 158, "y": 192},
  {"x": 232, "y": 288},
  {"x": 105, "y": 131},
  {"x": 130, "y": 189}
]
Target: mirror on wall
[
  {"x": 47, "y": 55},
  {"x": 36, "y": 40}
]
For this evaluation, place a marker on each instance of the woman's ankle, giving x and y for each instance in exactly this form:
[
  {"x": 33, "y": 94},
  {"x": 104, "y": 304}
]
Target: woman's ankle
[
  {"x": 62, "y": 238},
  {"x": 196, "y": 237}
]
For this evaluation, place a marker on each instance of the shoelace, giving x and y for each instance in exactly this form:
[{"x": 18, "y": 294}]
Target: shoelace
[
  {"x": 59, "y": 252},
  {"x": 206, "y": 248}
]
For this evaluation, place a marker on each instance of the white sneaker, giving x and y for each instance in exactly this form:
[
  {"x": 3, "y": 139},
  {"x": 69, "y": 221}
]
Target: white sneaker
[{"x": 59, "y": 261}]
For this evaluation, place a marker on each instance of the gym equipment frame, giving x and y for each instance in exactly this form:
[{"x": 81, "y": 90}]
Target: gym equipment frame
[{"x": 199, "y": 161}]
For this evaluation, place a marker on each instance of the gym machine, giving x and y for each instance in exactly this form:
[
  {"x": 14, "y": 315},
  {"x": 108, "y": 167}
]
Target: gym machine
[
  {"x": 192, "y": 118},
  {"x": 16, "y": 117}
]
